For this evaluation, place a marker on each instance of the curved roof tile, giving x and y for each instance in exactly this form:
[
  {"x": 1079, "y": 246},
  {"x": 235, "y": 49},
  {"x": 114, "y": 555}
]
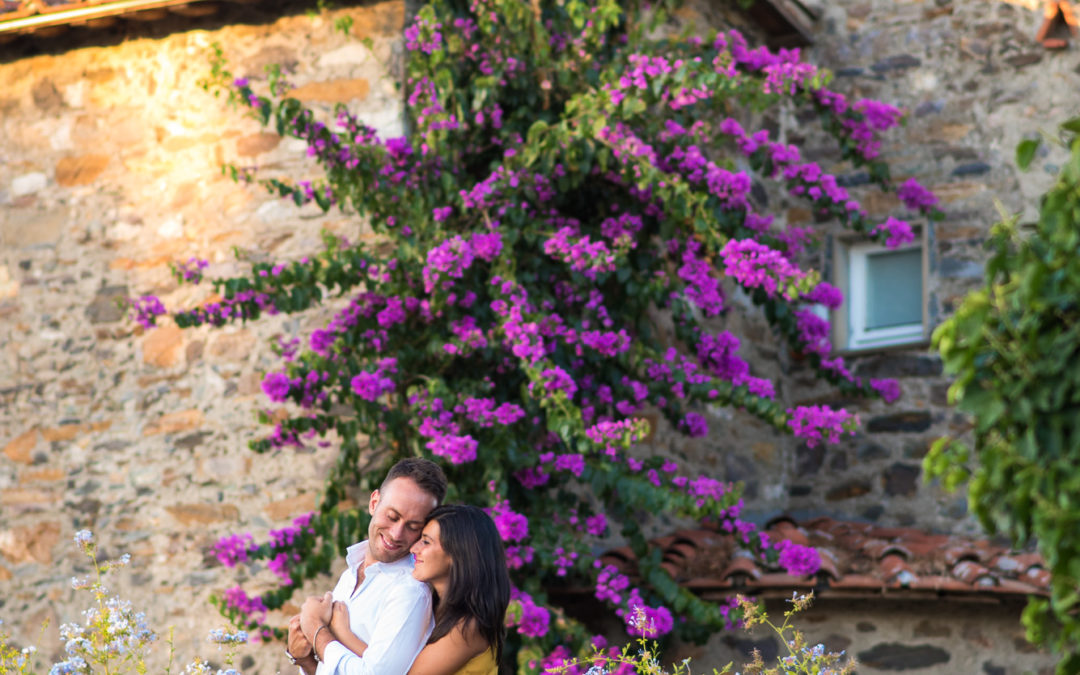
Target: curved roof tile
[{"x": 855, "y": 558}]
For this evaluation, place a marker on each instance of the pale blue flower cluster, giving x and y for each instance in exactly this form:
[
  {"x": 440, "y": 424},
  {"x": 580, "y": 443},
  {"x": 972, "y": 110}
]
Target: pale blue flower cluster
[
  {"x": 111, "y": 633},
  {"x": 222, "y": 637}
]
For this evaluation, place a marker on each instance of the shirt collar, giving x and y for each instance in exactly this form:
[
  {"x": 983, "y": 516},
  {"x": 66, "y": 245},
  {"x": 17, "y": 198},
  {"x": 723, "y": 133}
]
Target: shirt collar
[{"x": 354, "y": 555}]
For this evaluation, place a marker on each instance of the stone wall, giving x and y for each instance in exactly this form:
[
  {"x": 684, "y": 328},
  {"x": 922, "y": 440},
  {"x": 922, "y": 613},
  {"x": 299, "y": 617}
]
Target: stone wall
[
  {"x": 110, "y": 171},
  {"x": 886, "y": 635},
  {"x": 974, "y": 83}
]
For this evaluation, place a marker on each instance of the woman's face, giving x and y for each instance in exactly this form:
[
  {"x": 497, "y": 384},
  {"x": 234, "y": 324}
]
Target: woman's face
[{"x": 432, "y": 562}]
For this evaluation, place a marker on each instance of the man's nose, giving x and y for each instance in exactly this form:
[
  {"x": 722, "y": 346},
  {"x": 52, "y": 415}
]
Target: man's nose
[{"x": 398, "y": 531}]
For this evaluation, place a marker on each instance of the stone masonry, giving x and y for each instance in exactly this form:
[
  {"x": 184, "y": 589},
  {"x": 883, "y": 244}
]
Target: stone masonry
[{"x": 111, "y": 170}]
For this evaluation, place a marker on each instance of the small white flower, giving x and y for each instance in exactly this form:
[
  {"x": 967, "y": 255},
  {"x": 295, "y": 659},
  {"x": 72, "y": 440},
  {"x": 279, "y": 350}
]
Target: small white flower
[
  {"x": 84, "y": 537},
  {"x": 222, "y": 637},
  {"x": 197, "y": 667}
]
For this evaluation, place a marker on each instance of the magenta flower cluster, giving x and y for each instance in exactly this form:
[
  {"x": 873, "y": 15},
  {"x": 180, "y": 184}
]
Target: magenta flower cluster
[
  {"x": 532, "y": 620},
  {"x": 755, "y": 265},
  {"x": 796, "y": 559},
  {"x": 501, "y": 320},
  {"x": 820, "y": 423},
  {"x": 146, "y": 309},
  {"x": 191, "y": 271}
]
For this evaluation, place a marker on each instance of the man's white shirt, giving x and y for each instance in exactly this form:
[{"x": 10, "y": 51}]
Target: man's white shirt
[{"x": 390, "y": 612}]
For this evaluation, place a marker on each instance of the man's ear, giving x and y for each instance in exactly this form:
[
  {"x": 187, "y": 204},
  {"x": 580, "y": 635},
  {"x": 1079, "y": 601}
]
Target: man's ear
[{"x": 374, "y": 502}]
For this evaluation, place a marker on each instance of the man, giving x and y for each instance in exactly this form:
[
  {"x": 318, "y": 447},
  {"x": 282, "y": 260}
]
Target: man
[{"x": 388, "y": 609}]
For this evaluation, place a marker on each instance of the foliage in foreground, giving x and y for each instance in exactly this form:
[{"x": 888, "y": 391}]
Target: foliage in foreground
[
  {"x": 641, "y": 657},
  {"x": 567, "y": 180},
  {"x": 114, "y": 637},
  {"x": 1013, "y": 347}
]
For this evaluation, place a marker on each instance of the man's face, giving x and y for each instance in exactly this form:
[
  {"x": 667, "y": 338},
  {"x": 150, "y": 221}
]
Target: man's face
[{"x": 398, "y": 513}]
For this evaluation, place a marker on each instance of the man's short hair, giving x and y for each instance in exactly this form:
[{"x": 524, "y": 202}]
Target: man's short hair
[{"x": 427, "y": 474}]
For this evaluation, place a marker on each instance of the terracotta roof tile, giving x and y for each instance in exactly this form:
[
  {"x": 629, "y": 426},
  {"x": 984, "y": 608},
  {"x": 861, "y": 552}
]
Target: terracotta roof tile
[{"x": 855, "y": 558}]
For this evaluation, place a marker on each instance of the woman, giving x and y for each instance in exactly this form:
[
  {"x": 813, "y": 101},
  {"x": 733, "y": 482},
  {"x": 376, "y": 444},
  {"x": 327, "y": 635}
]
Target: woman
[{"x": 460, "y": 555}]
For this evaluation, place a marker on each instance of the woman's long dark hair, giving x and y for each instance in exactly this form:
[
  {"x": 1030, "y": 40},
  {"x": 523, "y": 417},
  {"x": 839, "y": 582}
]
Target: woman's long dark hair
[{"x": 479, "y": 587}]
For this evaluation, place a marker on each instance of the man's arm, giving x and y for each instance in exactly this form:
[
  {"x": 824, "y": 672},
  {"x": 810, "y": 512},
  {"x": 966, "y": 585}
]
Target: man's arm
[
  {"x": 399, "y": 634},
  {"x": 300, "y": 648}
]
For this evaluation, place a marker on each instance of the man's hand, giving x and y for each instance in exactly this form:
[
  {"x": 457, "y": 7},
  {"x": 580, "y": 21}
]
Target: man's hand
[
  {"x": 339, "y": 620},
  {"x": 315, "y": 612},
  {"x": 300, "y": 647}
]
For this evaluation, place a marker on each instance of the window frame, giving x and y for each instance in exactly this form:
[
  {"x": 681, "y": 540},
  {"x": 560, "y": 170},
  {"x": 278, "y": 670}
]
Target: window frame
[{"x": 849, "y": 275}]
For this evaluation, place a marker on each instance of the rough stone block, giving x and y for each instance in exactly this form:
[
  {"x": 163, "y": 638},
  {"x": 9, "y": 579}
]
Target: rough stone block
[
  {"x": 291, "y": 508},
  {"x": 901, "y": 480},
  {"x": 254, "y": 145},
  {"x": 972, "y": 169},
  {"x": 231, "y": 346},
  {"x": 953, "y": 192},
  {"x": 848, "y": 490},
  {"x": 9, "y": 287},
  {"x": 173, "y": 422},
  {"x": 898, "y": 62},
  {"x": 1025, "y": 59},
  {"x": 872, "y": 513},
  {"x": 333, "y": 91},
  {"x": 105, "y": 307},
  {"x": 353, "y": 53},
  {"x": 912, "y": 421},
  {"x": 21, "y": 448},
  {"x": 808, "y": 460},
  {"x": 30, "y": 543},
  {"x": 80, "y": 170},
  {"x": 386, "y": 18},
  {"x": 162, "y": 346},
  {"x": 954, "y": 268},
  {"x": 31, "y": 226},
  {"x": 64, "y": 432},
  {"x": 202, "y": 514},
  {"x": 46, "y": 96},
  {"x": 28, "y": 184},
  {"x": 49, "y": 475},
  {"x": 947, "y": 131},
  {"x": 747, "y": 646},
  {"x": 930, "y": 628},
  {"x": 880, "y": 203},
  {"x": 896, "y": 656},
  {"x": 27, "y": 498},
  {"x": 192, "y": 440},
  {"x": 898, "y": 365}
]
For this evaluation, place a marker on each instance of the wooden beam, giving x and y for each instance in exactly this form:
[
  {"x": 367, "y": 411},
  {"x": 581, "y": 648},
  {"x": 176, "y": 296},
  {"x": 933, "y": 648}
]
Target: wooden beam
[{"x": 82, "y": 12}]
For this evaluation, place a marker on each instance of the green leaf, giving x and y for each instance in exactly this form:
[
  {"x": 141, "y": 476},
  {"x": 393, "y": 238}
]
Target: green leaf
[
  {"x": 1072, "y": 125},
  {"x": 1025, "y": 152}
]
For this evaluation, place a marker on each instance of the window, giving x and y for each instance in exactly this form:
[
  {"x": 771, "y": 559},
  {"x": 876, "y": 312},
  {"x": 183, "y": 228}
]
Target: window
[{"x": 884, "y": 295}]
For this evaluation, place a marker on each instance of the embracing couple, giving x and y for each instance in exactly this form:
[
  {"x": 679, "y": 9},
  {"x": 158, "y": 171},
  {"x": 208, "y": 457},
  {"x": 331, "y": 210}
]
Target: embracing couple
[{"x": 441, "y": 614}]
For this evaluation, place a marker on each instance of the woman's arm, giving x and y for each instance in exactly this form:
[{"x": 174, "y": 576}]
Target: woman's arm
[
  {"x": 450, "y": 653},
  {"x": 342, "y": 631}
]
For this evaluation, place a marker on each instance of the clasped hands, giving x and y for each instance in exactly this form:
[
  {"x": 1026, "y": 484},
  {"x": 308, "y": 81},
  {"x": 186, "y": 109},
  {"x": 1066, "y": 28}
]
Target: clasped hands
[{"x": 316, "y": 612}]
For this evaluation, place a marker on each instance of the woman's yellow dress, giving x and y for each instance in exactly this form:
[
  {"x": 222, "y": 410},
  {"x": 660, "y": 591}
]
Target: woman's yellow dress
[{"x": 481, "y": 664}]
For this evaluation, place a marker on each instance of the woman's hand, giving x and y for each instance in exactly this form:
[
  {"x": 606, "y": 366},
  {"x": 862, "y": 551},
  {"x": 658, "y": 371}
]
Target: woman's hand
[
  {"x": 315, "y": 612},
  {"x": 339, "y": 620}
]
